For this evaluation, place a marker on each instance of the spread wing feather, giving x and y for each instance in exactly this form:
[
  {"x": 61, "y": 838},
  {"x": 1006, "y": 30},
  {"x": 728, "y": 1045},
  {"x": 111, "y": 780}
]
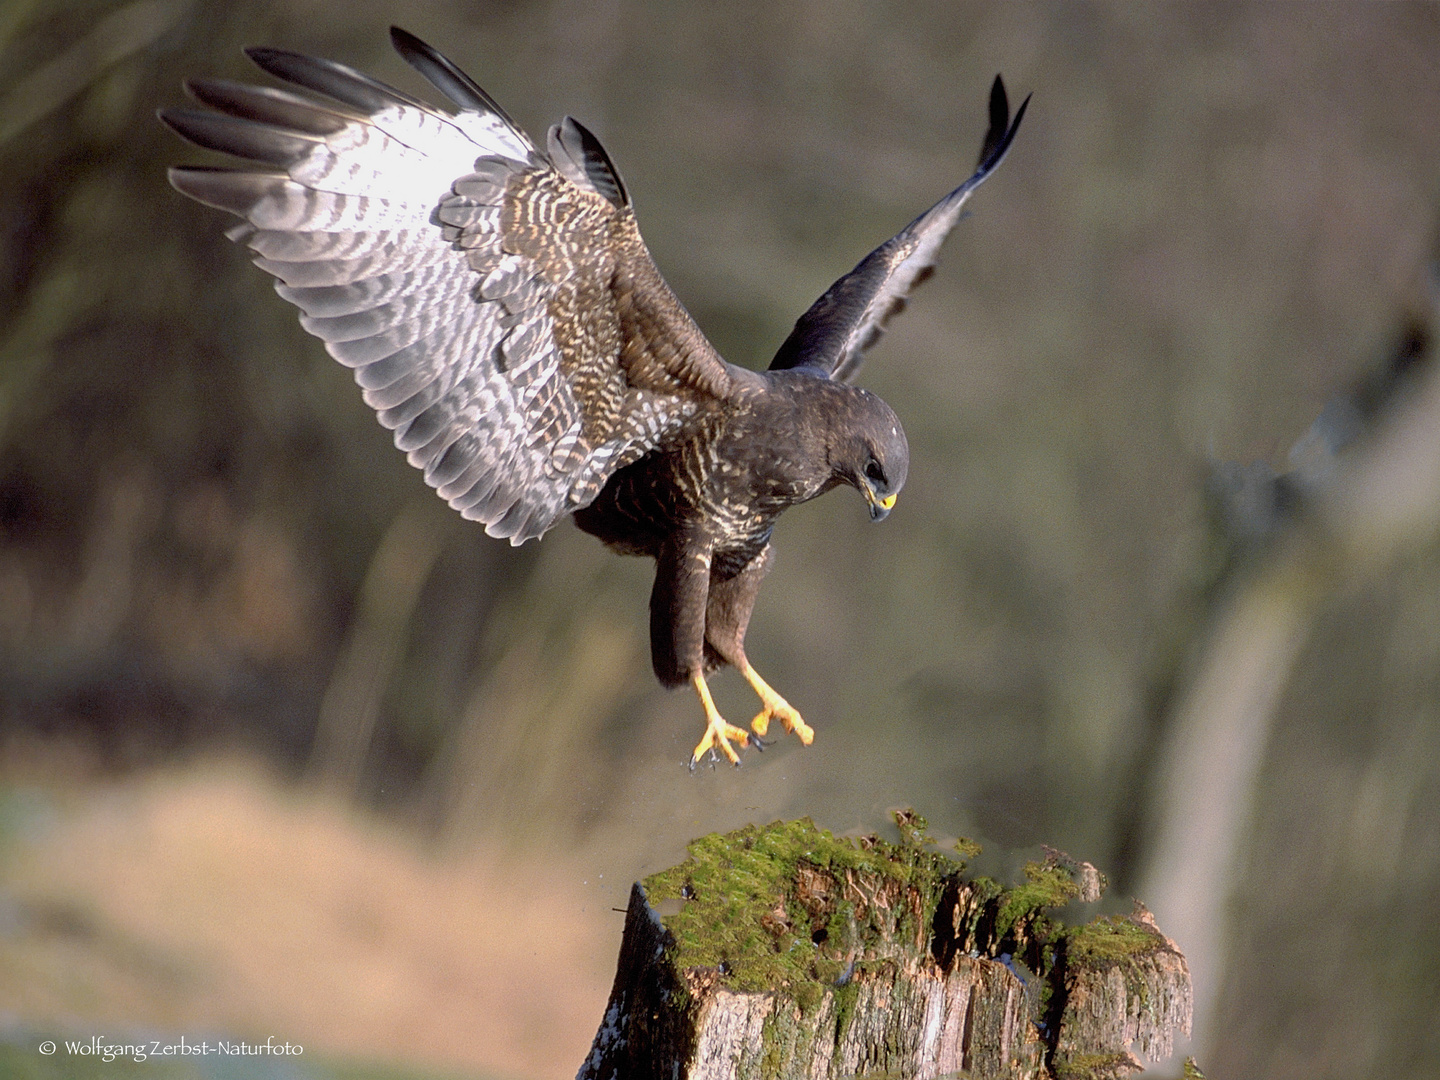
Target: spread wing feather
[
  {"x": 832, "y": 336},
  {"x": 497, "y": 305}
]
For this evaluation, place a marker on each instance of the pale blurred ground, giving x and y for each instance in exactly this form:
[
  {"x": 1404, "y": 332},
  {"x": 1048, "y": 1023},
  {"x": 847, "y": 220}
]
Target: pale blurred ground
[
  {"x": 1215, "y": 218},
  {"x": 228, "y": 905}
]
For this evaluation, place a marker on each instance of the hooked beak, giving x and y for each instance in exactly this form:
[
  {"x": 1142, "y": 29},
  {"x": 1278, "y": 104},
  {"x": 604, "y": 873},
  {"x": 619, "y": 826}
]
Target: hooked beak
[{"x": 879, "y": 508}]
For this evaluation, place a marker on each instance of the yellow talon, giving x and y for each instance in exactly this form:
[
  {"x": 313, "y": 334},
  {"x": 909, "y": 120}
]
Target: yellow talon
[
  {"x": 718, "y": 731},
  {"x": 777, "y": 708}
]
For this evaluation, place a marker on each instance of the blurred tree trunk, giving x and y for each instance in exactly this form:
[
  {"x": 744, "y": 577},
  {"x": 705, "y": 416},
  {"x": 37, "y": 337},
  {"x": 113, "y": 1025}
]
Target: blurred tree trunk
[
  {"x": 374, "y": 646},
  {"x": 1378, "y": 506},
  {"x": 560, "y": 666}
]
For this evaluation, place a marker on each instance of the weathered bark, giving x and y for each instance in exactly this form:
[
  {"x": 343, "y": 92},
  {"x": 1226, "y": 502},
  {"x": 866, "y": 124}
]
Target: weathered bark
[{"x": 791, "y": 954}]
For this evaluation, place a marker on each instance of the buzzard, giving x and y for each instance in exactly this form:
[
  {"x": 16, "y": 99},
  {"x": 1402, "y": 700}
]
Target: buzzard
[{"x": 504, "y": 318}]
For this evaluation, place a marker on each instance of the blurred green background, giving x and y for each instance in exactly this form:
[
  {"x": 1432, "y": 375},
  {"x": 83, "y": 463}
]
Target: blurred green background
[{"x": 255, "y": 678}]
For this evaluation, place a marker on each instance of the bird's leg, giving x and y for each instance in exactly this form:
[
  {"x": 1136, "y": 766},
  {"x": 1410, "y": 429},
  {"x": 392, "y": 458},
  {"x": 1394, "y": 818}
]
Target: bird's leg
[
  {"x": 718, "y": 731},
  {"x": 677, "y": 635},
  {"x": 776, "y": 708},
  {"x": 728, "y": 608}
]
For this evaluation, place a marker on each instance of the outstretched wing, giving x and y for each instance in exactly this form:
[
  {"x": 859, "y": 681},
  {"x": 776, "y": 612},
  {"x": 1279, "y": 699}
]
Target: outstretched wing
[
  {"x": 498, "y": 306},
  {"x": 833, "y": 335}
]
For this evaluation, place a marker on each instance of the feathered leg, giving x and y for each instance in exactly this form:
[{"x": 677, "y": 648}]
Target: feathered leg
[
  {"x": 677, "y": 637},
  {"x": 727, "y": 617}
]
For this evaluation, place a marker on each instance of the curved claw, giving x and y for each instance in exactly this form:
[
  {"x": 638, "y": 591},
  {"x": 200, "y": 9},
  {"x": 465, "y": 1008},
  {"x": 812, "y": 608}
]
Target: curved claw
[
  {"x": 711, "y": 759},
  {"x": 718, "y": 731},
  {"x": 758, "y": 743}
]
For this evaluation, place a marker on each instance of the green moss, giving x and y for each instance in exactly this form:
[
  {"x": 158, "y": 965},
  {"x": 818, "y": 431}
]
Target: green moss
[
  {"x": 1109, "y": 940},
  {"x": 914, "y": 829},
  {"x": 845, "y": 998},
  {"x": 789, "y": 908},
  {"x": 841, "y": 926},
  {"x": 746, "y": 907},
  {"x": 986, "y": 889},
  {"x": 808, "y": 994},
  {"x": 966, "y": 848},
  {"x": 773, "y": 1059},
  {"x": 1045, "y": 887}
]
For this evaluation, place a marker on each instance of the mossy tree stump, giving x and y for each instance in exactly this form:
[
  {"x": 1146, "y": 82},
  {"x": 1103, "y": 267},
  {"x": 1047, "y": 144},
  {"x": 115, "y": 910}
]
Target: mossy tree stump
[{"x": 783, "y": 952}]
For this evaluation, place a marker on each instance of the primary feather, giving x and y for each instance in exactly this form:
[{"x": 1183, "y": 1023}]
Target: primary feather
[
  {"x": 498, "y": 305},
  {"x": 834, "y": 333}
]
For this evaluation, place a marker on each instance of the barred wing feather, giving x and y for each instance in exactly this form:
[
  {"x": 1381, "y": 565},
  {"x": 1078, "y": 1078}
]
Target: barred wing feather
[{"x": 497, "y": 305}]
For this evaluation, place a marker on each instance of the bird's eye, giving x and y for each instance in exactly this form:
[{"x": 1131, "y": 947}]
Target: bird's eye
[{"x": 875, "y": 472}]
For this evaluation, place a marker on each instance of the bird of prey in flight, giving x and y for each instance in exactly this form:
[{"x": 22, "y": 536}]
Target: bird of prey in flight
[{"x": 504, "y": 318}]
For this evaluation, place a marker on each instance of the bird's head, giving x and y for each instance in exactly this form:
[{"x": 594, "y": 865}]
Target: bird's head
[{"x": 872, "y": 455}]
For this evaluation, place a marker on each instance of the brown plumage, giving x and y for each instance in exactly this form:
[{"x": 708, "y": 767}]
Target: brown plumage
[{"x": 505, "y": 319}]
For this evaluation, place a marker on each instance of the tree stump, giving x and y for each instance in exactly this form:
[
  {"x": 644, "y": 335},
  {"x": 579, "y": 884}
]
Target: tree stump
[{"x": 785, "y": 953}]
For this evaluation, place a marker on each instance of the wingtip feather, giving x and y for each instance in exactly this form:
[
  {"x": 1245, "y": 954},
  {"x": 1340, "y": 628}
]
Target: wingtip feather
[
  {"x": 269, "y": 105},
  {"x": 999, "y": 113},
  {"x": 1002, "y": 128},
  {"x": 447, "y": 77},
  {"x": 334, "y": 80},
  {"x": 235, "y": 190},
  {"x": 236, "y": 135},
  {"x": 832, "y": 336}
]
